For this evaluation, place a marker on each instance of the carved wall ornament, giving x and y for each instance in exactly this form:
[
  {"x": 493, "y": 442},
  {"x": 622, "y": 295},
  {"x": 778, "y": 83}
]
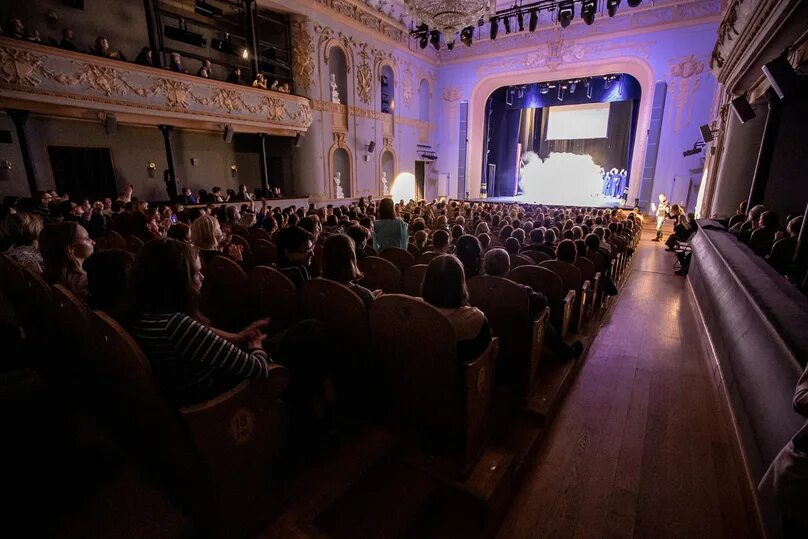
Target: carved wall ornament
[
  {"x": 303, "y": 64},
  {"x": 686, "y": 74},
  {"x": 375, "y": 19},
  {"x": 736, "y": 18},
  {"x": 364, "y": 76},
  {"x": 20, "y": 66},
  {"x": 406, "y": 85}
]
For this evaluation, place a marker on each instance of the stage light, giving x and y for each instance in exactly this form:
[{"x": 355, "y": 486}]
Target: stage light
[
  {"x": 494, "y": 28},
  {"x": 521, "y": 92},
  {"x": 588, "y": 8},
  {"x": 423, "y": 41},
  {"x": 607, "y": 82},
  {"x": 466, "y": 35},
  {"x": 509, "y": 96},
  {"x": 588, "y": 84},
  {"x": 561, "y": 88},
  {"x": 544, "y": 89},
  {"x": 434, "y": 39},
  {"x": 534, "y": 20},
  {"x": 566, "y": 12},
  {"x": 634, "y": 3},
  {"x": 611, "y": 7},
  {"x": 450, "y": 45},
  {"x": 507, "y": 21},
  {"x": 520, "y": 20},
  {"x": 573, "y": 87}
]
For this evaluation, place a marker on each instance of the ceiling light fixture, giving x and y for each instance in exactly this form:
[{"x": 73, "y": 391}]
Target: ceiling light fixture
[
  {"x": 449, "y": 17},
  {"x": 588, "y": 9},
  {"x": 494, "y": 28},
  {"x": 611, "y": 7},
  {"x": 534, "y": 20},
  {"x": 566, "y": 12}
]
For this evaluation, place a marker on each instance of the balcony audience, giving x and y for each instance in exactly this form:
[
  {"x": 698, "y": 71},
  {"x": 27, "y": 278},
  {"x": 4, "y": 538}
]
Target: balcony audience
[
  {"x": 205, "y": 69},
  {"x": 260, "y": 81},
  {"x": 102, "y": 48},
  {"x": 145, "y": 57},
  {"x": 176, "y": 63},
  {"x": 67, "y": 42},
  {"x": 235, "y": 76}
]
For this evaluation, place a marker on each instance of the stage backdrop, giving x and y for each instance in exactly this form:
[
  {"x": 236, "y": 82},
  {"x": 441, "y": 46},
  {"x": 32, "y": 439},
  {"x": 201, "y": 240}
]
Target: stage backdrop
[{"x": 520, "y": 117}]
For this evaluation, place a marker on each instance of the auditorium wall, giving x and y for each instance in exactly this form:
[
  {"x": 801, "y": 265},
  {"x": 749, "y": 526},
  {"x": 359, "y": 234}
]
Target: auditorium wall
[{"x": 678, "y": 54}]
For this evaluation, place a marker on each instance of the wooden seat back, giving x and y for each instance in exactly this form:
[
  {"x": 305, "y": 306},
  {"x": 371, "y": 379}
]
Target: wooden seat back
[
  {"x": 413, "y": 280},
  {"x": 761, "y": 241},
  {"x": 380, "y": 274},
  {"x": 781, "y": 256},
  {"x": 370, "y": 251},
  {"x": 550, "y": 284},
  {"x": 72, "y": 317},
  {"x": 246, "y": 249},
  {"x": 399, "y": 257},
  {"x": 536, "y": 256},
  {"x": 256, "y": 234},
  {"x": 134, "y": 244},
  {"x": 110, "y": 240},
  {"x": 439, "y": 402},
  {"x": 224, "y": 293},
  {"x": 264, "y": 252},
  {"x": 413, "y": 250},
  {"x": 274, "y": 296},
  {"x": 506, "y": 304},
  {"x": 426, "y": 257},
  {"x": 588, "y": 273},
  {"x": 520, "y": 260},
  {"x": 238, "y": 230},
  {"x": 573, "y": 280},
  {"x": 337, "y": 307}
]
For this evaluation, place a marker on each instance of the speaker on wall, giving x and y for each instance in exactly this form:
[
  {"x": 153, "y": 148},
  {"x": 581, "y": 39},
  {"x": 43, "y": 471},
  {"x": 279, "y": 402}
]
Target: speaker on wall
[
  {"x": 298, "y": 140},
  {"x": 228, "y": 134},
  {"x": 706, "y": 133},
  {"x": 742, "y": 109},
  {"x": 371, "y": 146},
  {"x": 110, "y": 124},
  {"x": 781, "y": 76}
]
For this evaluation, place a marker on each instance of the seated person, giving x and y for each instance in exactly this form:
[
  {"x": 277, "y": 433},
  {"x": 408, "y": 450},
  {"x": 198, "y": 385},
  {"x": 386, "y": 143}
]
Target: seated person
[
  {"x": 108, "y": 276},
  {"x": 20, "y": 231},
  {"x": 64, "y": 247},
  {"x": 360, "y": 235},
  {"x": 445, "y": 288},
  {"x": 339, "y": 264},
  {"x": 781, "y": 256},
  {"x": 295, "y": 252},
  {"x": 187, "y": 197},
  {"x": 745, "y": 229},
  {"x": 497, "y": 264},
  {"x": 102, "y": 48},
  {"x": 176, "y": 63},
  {"x": 205, "y": 69},
  {"x": 260, "y": 81},
  {"x": 66, "y": 42},
  {"x": 207, "y": 236},
  {"x": 190, "y": 362},
  {"x": 761, "y": 240},
  {"x": 144, "y": 57},
  {"x": 485, "y": 241},
  {"x": 567, "y": 252},
  {"x": 235, "y": 76},
  {"x": 419, "y": 239},
  {"x": 512, "y": 246},
  {"x": 440, "y": 242},
  {"x": 180, "y": 232},
  {"x": 470, "y": 253}
]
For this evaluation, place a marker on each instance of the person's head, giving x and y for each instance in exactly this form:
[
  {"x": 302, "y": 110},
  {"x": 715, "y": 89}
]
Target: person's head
[
  {"x": 662, "y": 198},
  {"x": 206, "y": 63},
  {"x": 17, "y": 27},
  {"x": 537, "y": 236},
  {"x": 295, "y": 247},
  {"x": 21, "y": 228},
  {"x": 549, "y": 236},
  {"x": 485, "y": 241},
  {"x": 457, "y": 231},
  {"x": 243, "y": 188},
  {"x": 755, "y": 213},
  {"x": 470, "y": 253},
  {"x": 108, "y": 277},
  {"x": 359, "y": 235},
  {"x": 769, "y": 219},
  {"x": 311, "y": 224},
  {"x": 794, "y": 225},
  {"x": 505, "y": 233},
  {"x": 512, "y": 246},
  {"x": 482, "y": 228},
  {"x": 440, "y": 241},
  {"x": 247, "y": 220},
  {"x": 592, "y": 242},
  {"x": 179, "y": 232},
  {"x": 577, "y": 233},
  {"x": 566, "y": 251},
  {"x": 232, "y": 214},
  {"x": 519, "y": 235},
  {"x": 387, "y": 209},
  {"x": 167, "y": 278},
  {"x": 339, "y": 259},
  {"x": 420, "y": 238},
  {"x": 64, "y": 247},
  {"x": 101, "y": 44},
  {"x": 67, "y": 34},
  {"x": 445, "y": 283},
  {"x": 176, "y": 59},
  {"x": 580, "y": 247},
  {"x": 497, "y": 263},
  {"x": 206, "y": 233}
]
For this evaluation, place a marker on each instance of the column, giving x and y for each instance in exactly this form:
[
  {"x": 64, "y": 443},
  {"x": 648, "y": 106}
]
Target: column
[
  {"x": 20, "y": 118},
  {"x": 764, "y": 160},
  {"x": 252, "y": 36},
  {"x": 262, "y": 164},
  {"x": 170, "y": 176},
  {"x": 154, "y": 32}
]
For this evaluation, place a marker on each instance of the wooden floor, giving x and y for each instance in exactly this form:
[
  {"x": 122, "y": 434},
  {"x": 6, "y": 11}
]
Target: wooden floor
[{"x": 642, "y": 446}]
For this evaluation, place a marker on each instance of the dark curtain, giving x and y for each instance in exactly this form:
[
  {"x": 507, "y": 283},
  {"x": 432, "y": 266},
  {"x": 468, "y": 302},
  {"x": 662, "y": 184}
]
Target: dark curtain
[
  {"x": 83, "y": 172},
  {"x": 504, "y": 138}
]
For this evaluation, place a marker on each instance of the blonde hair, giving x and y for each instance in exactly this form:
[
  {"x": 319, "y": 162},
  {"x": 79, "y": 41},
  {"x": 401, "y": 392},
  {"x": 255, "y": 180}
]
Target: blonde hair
[{"x": 206, "y": 233}]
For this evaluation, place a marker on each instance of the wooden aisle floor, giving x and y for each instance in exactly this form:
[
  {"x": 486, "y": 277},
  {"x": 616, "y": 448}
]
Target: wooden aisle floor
[{"x": 642, "y": 446}]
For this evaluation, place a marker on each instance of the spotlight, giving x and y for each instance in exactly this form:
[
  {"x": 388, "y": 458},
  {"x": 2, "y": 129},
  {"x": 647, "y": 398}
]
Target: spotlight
[
  {"x": 507, "y": 21},
  {"x": 607, "y": 82},
  {"x": 573, "y": 87},
  {"x": 520, "y": 92},
  {"x": 534, "y": 20},
  {"x": 561, "y": 88},
  {"x": 566, "y": 13},
  {"x": 611, "y": 7},
  {"x": 423, "y": 41},
  {"x": 509, "y": 96},
  {"x": 781, "y": 76},
  {"x": 520, "y": 21},
  {"x": 466, "y": 35},
  {"x": 588, "y": 84},
  {"x": 544, "y": 89},
  {"x": 494, "y": 28},
  {"x": 434, "y": 39},
  {"x": 634, "y": 3},
  {"x": 588, "y": 8},
  {"x": 450, "y": 45}
]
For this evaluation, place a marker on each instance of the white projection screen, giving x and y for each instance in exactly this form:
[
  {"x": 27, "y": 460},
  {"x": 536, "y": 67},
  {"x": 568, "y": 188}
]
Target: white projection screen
[{"x": 573, "y": 122}]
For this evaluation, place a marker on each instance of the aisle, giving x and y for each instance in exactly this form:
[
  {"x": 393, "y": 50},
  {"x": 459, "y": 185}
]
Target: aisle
[{"x": 640, "y": 447}]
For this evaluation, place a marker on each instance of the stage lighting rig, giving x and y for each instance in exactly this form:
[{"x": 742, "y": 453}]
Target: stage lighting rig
[
  {"x": 588, "y": 9},
  {"x": 466, "y": 35},
  {"x": 573, "y": 86},
  {"x": 534, "y": 20},
  {"x": 694, "y": 150},
  {"x": 507, "y": 22},
  {"x": 544, "y": 89},
  {"x": 434, "y": 39},
  {"x": 611, "y": 7},
  {"x": 566, "y": 12}
]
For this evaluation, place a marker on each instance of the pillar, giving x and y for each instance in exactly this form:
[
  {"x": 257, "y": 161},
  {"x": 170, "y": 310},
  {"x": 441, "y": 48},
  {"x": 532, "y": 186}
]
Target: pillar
[
  {"x": 20, "y": 118},
  {"x": 252, "y": 36},
  {"x": 170, "y": 174},
  {"x": 262, "y": 165},
  {"x": 153, "y": 27},
  {"x": 764, "y": 160}
]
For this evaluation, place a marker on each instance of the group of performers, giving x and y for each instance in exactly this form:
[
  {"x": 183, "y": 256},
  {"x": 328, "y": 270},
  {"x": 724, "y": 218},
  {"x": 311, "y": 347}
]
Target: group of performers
[{"x": 615, "y": 183}]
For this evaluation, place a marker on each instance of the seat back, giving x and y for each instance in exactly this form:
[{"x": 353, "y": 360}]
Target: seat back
[
  {"x": 380, "y": 274},
  {"x": 507, "y": 306},
  {"x": 548, "y": 283},
  {"x": 224, "y": 293},
  {"x": 587, "y": 268},
  {"x": 413, "y": 250},
  {"x": 399, "y": 257},
  {"x": 761, "y": 241},
  {"x": 413, "y": 280},
  {"x": 520, "y": 260},
  {"x": 72, "y": 317},
  {"x": 426, "y": 257},
  {"x": 110, "y": 240},
  {"x": 433, "y": 398},
  {"x": 134, "y": 244},
  {"x": 536, "y": 256},
  {"x": 246, "y": 249},
  {"x": 256, "y": 234},
  {"x": 782, "y": 254},
  {"x": 238, "y": 230},
  {"x": 264, "y": 252},
  {"x": 337, "y": 307},
  {"x": 274, "y": 296},
  {"x": 570, "y": 275}
]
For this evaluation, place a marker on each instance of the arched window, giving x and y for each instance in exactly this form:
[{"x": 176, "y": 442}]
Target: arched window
[
  {"x": 341, "y": 168},
  {"x": 388, "y": 171},
  {"x": 423, "y": 100},
  {"x": 338, "y": 68},
  {"x": 388, "y": 89}
]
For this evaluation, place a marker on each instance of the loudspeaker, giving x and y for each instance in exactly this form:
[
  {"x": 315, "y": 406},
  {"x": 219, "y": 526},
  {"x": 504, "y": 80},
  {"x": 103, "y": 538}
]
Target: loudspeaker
[
  {"x": 110, "y": 124},
  {"x": 742, "y": 109},
  {"x": 706, "y": 133},
  {"x": 228, "y": 134},
  {"x": 371, "y": 146},
  {"x": 298, "y": 140},
  {"x": 781, "y": 76}
]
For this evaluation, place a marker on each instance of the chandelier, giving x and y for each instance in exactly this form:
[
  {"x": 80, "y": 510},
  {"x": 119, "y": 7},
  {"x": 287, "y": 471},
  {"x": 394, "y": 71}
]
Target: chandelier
[{"x": 449, "y": 16}]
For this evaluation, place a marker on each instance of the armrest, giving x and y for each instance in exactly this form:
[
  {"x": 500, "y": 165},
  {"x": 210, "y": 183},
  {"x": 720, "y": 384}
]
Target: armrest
[
  {"x": 584, "y": 289},
  {"x": 569, "y": 298},
  {"x": 248, "y": 390},
  {"x": 478, "y": 375}
]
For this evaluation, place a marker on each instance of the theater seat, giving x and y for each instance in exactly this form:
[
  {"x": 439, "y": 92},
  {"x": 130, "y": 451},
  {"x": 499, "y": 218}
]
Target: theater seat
[
  {"x": 548, "y": 283},
  {"x": 573, "y": 280},
  {"x": 380, "y": 274},
  {"x": 413, "y": 280},
  {"x": 264, "y": 252},
  {"x": 399, "y": 257},
  {"x": 224, "y": 294},
  {"x": 274, "y": 295}
]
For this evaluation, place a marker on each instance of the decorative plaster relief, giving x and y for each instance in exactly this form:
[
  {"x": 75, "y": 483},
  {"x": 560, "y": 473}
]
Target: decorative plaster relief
[
  {"x": 44, "y": 72},
  {"x": 686, "y": 73},
  {"x": 380, "y": 23},
  {"x": 406, "y": 84},
  {"x": 451, "y": 95},
  {"x": 303, "y": 64},
  {"x": 735, "y": 20}
]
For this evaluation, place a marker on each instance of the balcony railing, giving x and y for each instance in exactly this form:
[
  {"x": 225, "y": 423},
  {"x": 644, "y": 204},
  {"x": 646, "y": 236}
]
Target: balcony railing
[{"x": 53, "y": 81}]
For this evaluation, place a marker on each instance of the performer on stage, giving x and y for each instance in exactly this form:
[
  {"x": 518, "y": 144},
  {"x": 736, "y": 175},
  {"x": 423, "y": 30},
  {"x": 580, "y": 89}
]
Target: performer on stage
[{"x": 661, "y": 214}]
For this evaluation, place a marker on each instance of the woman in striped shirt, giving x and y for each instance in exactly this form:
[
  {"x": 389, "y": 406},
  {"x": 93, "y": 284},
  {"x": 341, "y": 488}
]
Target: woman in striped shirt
[{"x": 191, "y": 362}]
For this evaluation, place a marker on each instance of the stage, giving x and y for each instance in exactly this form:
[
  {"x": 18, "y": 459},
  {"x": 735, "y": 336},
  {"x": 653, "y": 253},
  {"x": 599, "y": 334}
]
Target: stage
[{"x": 594, "y": 202}]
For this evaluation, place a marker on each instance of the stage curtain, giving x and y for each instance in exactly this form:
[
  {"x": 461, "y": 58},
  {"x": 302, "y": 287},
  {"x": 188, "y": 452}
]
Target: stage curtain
[
  {"x": 610, "y": 152},
  {"x": 527, "y": 127},
  {"x": 504, "y": 138}
]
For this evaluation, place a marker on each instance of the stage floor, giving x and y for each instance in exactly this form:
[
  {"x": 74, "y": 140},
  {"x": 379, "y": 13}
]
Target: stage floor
[{"x": 590, "y": 202}]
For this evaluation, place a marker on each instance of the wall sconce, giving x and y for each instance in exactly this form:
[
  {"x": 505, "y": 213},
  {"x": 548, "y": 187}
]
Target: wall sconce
[
  {"x": 150, "y": 168},
  {"x": 370, "y": 147},
  {"x": 233, "y": 170},
  {"x": 245, "y": 54},
  {"x": 5, "y": 164}
]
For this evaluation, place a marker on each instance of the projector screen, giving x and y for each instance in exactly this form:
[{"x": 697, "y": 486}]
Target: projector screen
[{"x": 572, "y": 122}]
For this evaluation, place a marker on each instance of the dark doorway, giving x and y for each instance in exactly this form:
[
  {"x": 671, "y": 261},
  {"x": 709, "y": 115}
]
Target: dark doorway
[
  {"x": 83, "y": 172},
  {"x": 419, "y": 180}
]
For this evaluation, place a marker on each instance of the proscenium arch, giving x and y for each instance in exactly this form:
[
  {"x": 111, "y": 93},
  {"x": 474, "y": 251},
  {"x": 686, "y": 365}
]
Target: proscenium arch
[
  {"x": 636, "y": 67},
  {"x": 391, "y": 176},
  {"x": 352, "y": 180}
]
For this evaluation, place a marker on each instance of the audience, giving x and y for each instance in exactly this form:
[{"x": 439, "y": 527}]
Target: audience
[
  {"x": 144, "y": 57},
  {"x": 65, "y": 246},
  {"x": 20, "y": 233},
  {"x": 295, "y": 252},
  {"x": 389, "y": 230},
  {"x": 67, "y": 40},
  {"x": 204, "y": 70},
  {"x": 339, "y": 264}
]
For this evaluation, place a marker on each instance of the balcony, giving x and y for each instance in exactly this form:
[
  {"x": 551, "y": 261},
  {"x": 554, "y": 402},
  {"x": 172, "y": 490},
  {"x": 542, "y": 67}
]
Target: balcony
[{"x": 52, "y": 81}]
